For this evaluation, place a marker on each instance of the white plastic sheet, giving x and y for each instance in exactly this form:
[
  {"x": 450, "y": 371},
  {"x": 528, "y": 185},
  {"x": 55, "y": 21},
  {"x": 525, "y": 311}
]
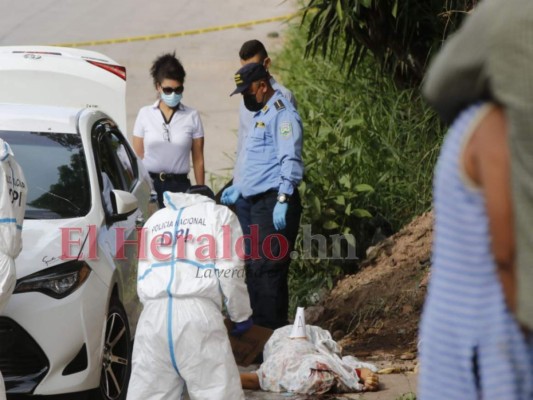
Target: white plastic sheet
[{"x": 311, "y": 366}]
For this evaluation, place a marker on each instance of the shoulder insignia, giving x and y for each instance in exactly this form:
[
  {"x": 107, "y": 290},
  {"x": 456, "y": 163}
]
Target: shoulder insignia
[
  {"x": 259, "y": 124},
  {"x": 285, "y": 129},
  {"x": 279, "y": 105}
]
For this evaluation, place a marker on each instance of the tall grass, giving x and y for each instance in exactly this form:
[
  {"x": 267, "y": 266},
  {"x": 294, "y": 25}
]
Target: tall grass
[{"x": 369, "y": 153}]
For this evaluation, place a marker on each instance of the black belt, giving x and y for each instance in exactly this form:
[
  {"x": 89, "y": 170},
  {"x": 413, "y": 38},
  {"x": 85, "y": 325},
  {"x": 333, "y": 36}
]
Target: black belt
[
  {"x": 163, "y": 176},
  {"x": 272, "y": 192},
  {"x": 256, "y": 197}
]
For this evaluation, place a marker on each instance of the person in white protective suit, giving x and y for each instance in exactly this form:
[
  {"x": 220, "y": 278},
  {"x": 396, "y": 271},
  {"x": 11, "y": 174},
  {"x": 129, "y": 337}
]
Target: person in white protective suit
[
  {"x": 13, "y": 191},
  {"x": 181, "y": 339}
]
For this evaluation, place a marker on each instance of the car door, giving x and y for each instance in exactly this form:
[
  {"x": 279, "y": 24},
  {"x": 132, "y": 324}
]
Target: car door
[{"x": 118, "y": 168}]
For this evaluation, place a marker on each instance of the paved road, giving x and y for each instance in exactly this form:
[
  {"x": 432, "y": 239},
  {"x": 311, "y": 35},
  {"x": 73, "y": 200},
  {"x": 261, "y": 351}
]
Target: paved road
[
  {"x": 210, "y": 59},
  {"x": 392, "y": 387}
]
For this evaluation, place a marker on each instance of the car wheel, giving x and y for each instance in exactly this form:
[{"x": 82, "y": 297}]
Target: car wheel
[{"x": 116, "y": 361}]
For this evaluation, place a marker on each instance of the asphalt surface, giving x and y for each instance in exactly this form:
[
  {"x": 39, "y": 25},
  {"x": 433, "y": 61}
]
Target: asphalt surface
[
  {"x": 392, "y": 388},
  {"x": 210, "y": 60}
]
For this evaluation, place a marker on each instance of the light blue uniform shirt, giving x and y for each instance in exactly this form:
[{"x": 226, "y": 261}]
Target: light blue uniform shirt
[
  {"x": 246, "y": 125},
  {"x": 272, "y": 153}
]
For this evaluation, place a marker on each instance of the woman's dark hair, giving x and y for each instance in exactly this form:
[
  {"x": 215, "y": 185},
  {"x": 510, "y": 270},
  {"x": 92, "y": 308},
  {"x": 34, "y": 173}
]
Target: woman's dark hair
[{"x": 167, "y": 66}]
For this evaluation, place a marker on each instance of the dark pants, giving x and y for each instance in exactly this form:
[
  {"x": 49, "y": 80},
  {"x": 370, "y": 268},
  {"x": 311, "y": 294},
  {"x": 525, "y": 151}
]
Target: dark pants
[
  {"x": 243, "y": 209},
  {"x": 267, "y": 274},
  {"x": 170, "y": 184}
]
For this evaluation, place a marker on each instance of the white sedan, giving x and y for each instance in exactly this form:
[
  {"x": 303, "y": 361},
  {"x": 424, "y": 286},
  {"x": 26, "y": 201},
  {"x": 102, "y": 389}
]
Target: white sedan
[{"x": 69, "y": 325}]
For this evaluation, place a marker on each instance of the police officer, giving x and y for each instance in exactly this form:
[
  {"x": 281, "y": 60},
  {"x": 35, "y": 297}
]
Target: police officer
[
  {"x": 252, "y": 51},
  {"x": 271, "y": 171}
]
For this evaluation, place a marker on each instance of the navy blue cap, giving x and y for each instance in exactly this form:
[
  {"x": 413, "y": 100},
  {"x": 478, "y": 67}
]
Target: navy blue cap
[{"x": 247, "y": 74}]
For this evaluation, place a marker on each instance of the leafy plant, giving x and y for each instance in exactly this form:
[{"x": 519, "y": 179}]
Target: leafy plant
[
  {"x": 369, "y": 153},
  {"x": 217, "y": 181},
  {"x": 401, "y": 35}
]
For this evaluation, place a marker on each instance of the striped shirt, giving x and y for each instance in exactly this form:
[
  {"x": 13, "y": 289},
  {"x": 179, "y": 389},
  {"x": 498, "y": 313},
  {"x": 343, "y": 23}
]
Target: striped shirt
[
  {"x": 489, "y": 57},
  {"x": 471, "y": 347}
]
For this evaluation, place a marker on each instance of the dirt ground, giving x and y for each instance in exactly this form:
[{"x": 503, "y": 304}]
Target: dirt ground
[{"x": 374, "y": 314}]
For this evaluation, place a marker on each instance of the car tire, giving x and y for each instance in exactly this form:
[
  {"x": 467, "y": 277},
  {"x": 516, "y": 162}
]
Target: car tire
[{"x": 116, "y": 360}]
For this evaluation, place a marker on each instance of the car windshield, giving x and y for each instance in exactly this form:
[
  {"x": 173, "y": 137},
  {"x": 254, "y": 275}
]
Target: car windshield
[{"x": 54, "y": 167}]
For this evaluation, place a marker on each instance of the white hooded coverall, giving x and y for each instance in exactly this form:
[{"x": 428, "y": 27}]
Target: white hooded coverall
[
  {"x": 13, "y": 190},
  {"x": 181, "y": 338}
]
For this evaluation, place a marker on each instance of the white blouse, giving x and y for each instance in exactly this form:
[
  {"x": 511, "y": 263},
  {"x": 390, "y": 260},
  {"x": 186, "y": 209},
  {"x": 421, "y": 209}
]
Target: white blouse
[{"x": 167, "y": 147}]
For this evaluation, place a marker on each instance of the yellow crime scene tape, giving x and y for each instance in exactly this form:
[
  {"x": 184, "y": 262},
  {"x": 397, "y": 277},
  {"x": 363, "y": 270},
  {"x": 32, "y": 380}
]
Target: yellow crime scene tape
[{"x": 178, "y": 34}]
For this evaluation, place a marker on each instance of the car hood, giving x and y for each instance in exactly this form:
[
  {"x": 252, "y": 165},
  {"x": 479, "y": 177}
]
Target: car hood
[{"x": 45, "y": 243}]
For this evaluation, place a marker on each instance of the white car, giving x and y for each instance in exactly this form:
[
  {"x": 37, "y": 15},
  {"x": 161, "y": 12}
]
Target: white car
[{"x": 70, "y": 323}]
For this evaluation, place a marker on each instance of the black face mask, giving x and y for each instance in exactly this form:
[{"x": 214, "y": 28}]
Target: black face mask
[{"x": 251, "y": 103}]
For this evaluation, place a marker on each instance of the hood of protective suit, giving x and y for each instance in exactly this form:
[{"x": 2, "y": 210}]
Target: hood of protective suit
[
  {"x": 195, "y": 251},
  {"x": 4, "y": 149},
  {"x": 13, "y": 190},
  {"x": 182, "y": 200}
]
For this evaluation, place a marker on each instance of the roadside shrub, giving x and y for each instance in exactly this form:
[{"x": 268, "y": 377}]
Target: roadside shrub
[
  {"x": 369, "y": 153},
  {"x": 400, "y": 35}
]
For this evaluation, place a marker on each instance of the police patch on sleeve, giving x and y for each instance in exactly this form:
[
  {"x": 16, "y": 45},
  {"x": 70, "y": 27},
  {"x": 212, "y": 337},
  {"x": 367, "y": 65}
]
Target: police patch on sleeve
[{"x": 285, "y": 129}]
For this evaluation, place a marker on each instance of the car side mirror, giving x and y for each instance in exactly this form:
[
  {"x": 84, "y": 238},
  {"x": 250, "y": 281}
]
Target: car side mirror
[{"x": 124, "y": 204}]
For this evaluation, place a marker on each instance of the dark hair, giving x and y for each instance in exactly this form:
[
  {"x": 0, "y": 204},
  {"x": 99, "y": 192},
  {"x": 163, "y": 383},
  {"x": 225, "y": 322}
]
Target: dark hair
[
  {"x": 167, "y": 66},
  {"x": 203, "y": 190},
  {"x": 252, "y": 48}
]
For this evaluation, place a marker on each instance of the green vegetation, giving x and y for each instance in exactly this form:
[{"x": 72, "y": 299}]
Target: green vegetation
[
  {"x": 369, "y": 153},
  {"x": 400, "y": 35}
]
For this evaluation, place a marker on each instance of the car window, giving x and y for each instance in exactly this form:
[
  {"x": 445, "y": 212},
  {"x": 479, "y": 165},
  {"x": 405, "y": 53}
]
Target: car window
[
  {"x": 114, "y": 160},
  {"x": 126, "y": 161},
  {"x": 107, "y": 163},
  {"x": 55, "y": 168}
]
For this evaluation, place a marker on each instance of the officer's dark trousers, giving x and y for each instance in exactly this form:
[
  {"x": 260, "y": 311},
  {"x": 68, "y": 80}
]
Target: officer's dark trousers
[
  {"x": 270, "y": 259},
  {"x": 242, "y": 209}
]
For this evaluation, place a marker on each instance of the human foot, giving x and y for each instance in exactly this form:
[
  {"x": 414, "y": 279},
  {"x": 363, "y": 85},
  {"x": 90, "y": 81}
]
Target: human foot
[{"x": 370, "y": 379}]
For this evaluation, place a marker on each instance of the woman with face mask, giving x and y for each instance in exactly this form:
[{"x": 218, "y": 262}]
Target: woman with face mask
[{"x": 167, "y": 131}]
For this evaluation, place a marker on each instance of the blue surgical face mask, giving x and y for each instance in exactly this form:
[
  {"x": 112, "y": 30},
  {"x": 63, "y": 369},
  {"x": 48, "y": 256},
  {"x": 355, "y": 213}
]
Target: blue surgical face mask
[{"x": 172, "y": 99}]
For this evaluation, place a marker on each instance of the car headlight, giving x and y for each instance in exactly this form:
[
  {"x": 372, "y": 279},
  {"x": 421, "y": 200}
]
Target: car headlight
[{"x": 57, "y": 282}]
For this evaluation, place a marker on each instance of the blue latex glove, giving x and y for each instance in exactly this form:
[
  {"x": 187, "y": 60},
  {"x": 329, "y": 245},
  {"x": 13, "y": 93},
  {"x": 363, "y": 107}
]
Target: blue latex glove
[
  {"x": 230, "y": 195},
  {"x": 280, "y": 211},
  {"x": 242, "y": 327}
]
